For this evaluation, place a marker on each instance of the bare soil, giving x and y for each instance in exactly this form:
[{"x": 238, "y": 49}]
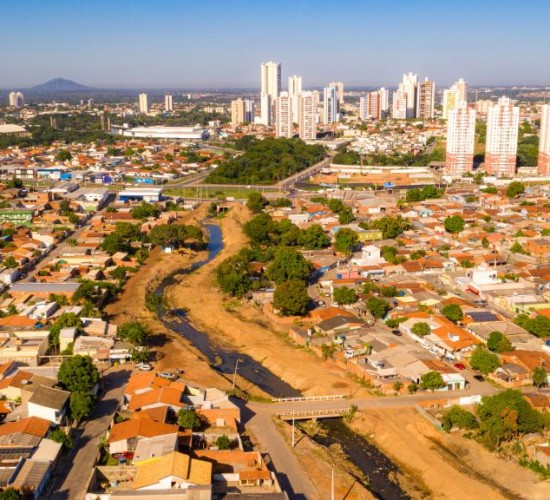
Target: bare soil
[{"x": 445, "y": 466}]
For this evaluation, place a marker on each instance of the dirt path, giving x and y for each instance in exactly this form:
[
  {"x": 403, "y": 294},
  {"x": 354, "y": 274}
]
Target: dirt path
[
  {"x": 447, "y": 465},
  {"x": 249, "y": 331}
]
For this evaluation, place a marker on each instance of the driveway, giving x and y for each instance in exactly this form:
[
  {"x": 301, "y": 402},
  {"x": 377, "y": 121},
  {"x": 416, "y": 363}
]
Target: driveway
[{"x": 73, "y": 472}]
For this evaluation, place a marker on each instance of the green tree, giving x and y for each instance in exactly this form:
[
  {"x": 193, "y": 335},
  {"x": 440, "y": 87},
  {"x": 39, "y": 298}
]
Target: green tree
[
  {"x": 344, "y": 295},
  {"x": 291, "y": 298},
  {"x": 11, "y": 494},
  {"x": 66, "y": 320},
  {"x": 288, "y": 264},
  {"x": 145, "y": 210},
  {"x": 497, "y": 342},
  {"x": 134, "y": 332},
  {"x": 397, "y": 386},
  {"x": 256, "y": 202},
  {"x": 377, "y": 307},
  {"x": 61, "y": 437},
  {"x": 538, "y": 326},
  {"x": 80, "y": 405},
  {"x": 314, "y": 238},
  {"x": 454, "y": 224},
  {"x": 188, "y": 419},
  {"x": 260, "y": 229},
  {"x": 10, "y": 262},
  {"x": 234, "y": 275},
  {"x": 485, "y": 242},
  {"x": 389, "y": 291},
  {"x": 539, "y": 376},
  {"x": 345, "y": 240},
  {"x": 78, "y": 374},
  {"x": 484, "y": 361},
  {"x": 517, "y": 247},
  {"x": 458, "y": 417},
  {"x": 223, "y": 442},
  {"x": 453, "y": 312},
  {"x": 412, "y": 388},
  {"x": 421, "y": 329},
  {"x": 391, "y": 227},
  {"x": 432, "y": 380},
  {"x": 63, "y": 155},
  {"x": 514, "y": 189}
]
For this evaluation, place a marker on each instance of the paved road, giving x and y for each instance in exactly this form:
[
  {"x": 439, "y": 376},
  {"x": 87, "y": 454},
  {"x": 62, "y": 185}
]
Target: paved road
[
  {"x": 73, "y": 473},
  {"x": 290, "y": 181}
]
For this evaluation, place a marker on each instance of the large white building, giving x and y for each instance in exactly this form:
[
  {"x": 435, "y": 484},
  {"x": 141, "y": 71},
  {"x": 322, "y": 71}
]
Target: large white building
[
  {"x": 399, "y": 105},
  {"x": 331, "y": 105},
  {"x": 161, "y": 132},
  {"x": 283, "y": 115},
  {"x": 452, "y": 96},
  {"x": 408, "y": 86},
  {"x": 340, "y": 87},
  {"x": 294, "y": 91},
  {"x": 425, "y": 99},
  {"x": 375, "y": 105},
  {"x": 461, "y": 130},
  {"x": 502, "y": 138},
  {"x": 270, "y": 86},
  {"x": 16, "y": 99},
  {"x": 143, "y": 104},
  {"x": 168, "y": 103},
  {"x": 544, "y": 142},
  {"x": 307, "y": 116}
]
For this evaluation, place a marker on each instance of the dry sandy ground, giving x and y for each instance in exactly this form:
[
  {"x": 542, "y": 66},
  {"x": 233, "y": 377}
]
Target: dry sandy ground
[
  {"x": 171, "y": 350},
  {"x": 447, "y": 465},
  {"x": 247, "y": 329}
]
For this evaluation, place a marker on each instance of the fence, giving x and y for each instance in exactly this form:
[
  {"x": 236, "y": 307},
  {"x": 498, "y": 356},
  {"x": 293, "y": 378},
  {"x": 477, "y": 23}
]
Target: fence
[{"x": 329, "y": 397}]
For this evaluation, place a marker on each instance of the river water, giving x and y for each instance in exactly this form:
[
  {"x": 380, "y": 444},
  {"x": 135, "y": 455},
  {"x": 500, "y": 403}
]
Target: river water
[{"x": 372, "y": 463}]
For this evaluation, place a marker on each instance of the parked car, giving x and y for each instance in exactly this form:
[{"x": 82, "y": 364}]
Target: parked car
[
  {"x": 479, "y": 378},
  {"x": 168, "y": 375},
  {"x": 459, "y": 366},
  {"x": 397, "y": 333},
  {"x": 146, "y": 367}
]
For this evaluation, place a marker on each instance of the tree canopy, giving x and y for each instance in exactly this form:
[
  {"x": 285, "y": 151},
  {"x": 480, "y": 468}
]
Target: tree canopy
[
  {"x": 345, "y": 240},
  {"x": 391, "y": 227},
  {"x": 453, "y": 312},
  {"x": 291, "y": 298},
  {"x": 377, "y": 307},
  {"x": 421, "y": 329},
  {"x": 134, "y": 332},
  {"x": 78, "y": 374},
  {"x": 454, "y": 224},
  {"x": 514, "y": 189},
  {"x": 256, "y": 202},
  {"x": 188, "y": 419},
  {"x": 344, "y": 295},
  {"x": 432, "y": 380},
  {"x": 538, "y": 326},
  {"x": 288, "y": 264},
  {"x": 497, "y": 342},
  {"x": 484, "y": 361}
]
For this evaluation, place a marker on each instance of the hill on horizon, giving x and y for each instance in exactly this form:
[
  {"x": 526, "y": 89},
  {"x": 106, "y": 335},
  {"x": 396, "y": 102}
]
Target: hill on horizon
[{"x": 60, "y": 85}]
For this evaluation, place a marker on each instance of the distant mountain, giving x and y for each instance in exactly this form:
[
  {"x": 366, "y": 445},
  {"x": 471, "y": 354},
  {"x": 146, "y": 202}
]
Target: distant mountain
[{"x": 59, "y": 85}]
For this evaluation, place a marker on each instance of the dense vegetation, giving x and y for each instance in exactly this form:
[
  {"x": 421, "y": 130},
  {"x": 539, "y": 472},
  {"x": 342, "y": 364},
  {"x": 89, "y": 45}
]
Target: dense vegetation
[
  {"x": 350, "y": 157},
  {"x": 266, "y": 161}
]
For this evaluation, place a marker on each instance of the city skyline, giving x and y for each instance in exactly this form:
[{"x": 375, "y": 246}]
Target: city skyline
[{"x": 210, "y": 54}]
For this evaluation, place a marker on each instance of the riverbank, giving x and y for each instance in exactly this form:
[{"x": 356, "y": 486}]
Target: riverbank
[
  {"x": 437, "y": 465},
  {"x": 245, "y": 328}
]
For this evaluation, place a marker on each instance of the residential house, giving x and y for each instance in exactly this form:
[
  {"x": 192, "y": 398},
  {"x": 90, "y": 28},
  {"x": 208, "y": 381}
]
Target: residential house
[{"x": 48, "y": 403}]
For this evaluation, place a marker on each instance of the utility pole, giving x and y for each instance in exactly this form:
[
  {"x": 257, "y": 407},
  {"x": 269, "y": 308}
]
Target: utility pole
[
  {"x": 293, "y": 431},
  {"x": 235, "y": 374},
  {"x": 332, "y": 485}
]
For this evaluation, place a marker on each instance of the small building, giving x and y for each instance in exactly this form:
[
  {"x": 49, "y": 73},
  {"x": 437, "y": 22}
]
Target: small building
[
  {"x": 48, "y": 403},
  {"x": 149, "y": 195}
]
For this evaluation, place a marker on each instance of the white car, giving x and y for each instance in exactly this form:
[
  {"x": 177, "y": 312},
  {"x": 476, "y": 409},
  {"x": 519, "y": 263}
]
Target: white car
[{"x": 146, "y": 367}]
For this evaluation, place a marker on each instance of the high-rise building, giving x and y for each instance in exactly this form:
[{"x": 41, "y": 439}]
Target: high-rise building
[
  {"x": 168, "y": 103},
  {"x": 340, "y": 87},
  {"x": 450, "y": 101},
  {"x": 384, "y": 101},
  {"x": 249, "y": 110},
  {"x": 425, "y": 98},
  {"x": 283, "y": 115},
  {"x": 399, "y": 105},
  {"x": 331, "y": 105},
  {"x": 375, "y": 105},
  {"x": 237, "y": 112},
  {"x": 364, "y": 107},
  {"x": 266, "y": 106},
  {"x": 294, "y": 91},
  {"x": 307, "y": 116},
  {"x": 544, "y": 142},
  {"x": 143, "y": 104},
  {"x": 462, "y": 88},
  {"x": 408, "y": 86},
  {"x": 461, "y": 131},
  {"x": 271, "y": 86},
  {"x": 502, "y": 138},
  {"x": 16, "y": 99}
]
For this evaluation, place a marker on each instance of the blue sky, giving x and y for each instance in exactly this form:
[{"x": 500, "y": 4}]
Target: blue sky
[{"x": 221, "y": 43}]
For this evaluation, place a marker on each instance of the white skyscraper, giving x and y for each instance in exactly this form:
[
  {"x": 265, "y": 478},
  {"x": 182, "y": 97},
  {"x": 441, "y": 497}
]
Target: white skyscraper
[
  {"x": 307, "y": 116},
  {"x": 384, "y": 101},
  {"x": 331, "y": 106},
  {"x": 364, "y": 107},
  {"x": 294, "y": 91},
  {"x": 461, "y": 130},
  {"x": 168, "y": 103},
  {"x": 143, "y": 104},
  {"x": 452, "y": 96},
  {"x": 283, "y": 115},
  {"x": 408, "y": 86},
  {"x": 340, "y": 87},
  {"x": 462, "y": 88},
  {"x": 544, "y": 142},
  {"x": 399, "y": 105},
  {"x": 271, "y": 86},
  {"x": 16, "y": 99},
  {"x": 502, "y": 138},
  {"x": 375, "y": 105}
]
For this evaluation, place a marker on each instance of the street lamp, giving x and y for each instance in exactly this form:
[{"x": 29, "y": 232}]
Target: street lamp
[{"x": 235, "y": 374}]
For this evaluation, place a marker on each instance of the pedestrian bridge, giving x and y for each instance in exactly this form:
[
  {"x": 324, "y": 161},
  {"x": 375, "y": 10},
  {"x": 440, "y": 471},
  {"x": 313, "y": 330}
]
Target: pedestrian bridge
[{"x": 312, "y": 414}]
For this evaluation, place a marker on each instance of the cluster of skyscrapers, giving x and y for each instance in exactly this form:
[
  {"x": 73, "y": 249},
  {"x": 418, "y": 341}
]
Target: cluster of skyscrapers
[
  {"x": 143, "y": 101},
  {"x": 16, "y": 99},
  {"x": 414, "y": 99}
]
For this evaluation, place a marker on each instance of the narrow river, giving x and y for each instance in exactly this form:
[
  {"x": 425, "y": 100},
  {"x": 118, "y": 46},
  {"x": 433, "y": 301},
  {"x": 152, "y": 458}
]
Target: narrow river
[{"x": 374, "y": 464}]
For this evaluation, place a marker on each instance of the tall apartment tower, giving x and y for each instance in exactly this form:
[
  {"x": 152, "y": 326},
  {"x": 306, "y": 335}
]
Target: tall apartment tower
[
  {"x": 283, "y": 115},
  {"x": 462, "y": 88},
  {"x": 384, "y": 101},
  {"x": 16, "y": 99},
  {"x": 307, "y": 116},
  {"x": 544, "y": 142},
  {"x": 340, "y": 87},
  {"x": 461, "y": 131},
  {"x": 425, "y": 98},
  {"x": 249, "y": 110},
  {"x": 364, "y": 107},
  {"x": 168, "y": 103},
  {"x": 399, "y": 105},
  {"x": 271, "y": 86},
  {"x": 331, "y": 105},
  {"x": 237, "y": 112},
  {"x": 408, "y": 86},
  {"x": 294, "y": 91},
  {"x": 143, "y": 105},
  {"x": 452, "y": 96},
  {"x": 502, "y": 138}
]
